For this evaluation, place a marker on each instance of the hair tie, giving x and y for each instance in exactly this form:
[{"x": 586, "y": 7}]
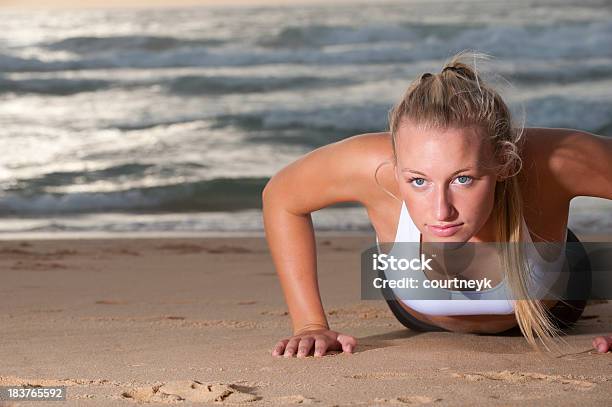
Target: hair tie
[
  {"x": 426, "y": 75},
  {"x": 452, "y": 68}
]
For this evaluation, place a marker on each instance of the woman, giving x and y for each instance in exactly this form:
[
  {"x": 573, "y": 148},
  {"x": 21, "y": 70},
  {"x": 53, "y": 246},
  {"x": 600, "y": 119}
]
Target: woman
[{"x": 454, "y": 165}]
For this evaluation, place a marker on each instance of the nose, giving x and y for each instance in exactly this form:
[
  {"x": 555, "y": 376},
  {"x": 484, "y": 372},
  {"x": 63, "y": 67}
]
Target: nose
[{"x": 443, "y": 207}]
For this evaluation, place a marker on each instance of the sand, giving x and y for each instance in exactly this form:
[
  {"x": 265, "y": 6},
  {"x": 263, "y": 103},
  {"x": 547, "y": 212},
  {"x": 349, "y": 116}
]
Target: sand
[{"x": 192, "y": 321}]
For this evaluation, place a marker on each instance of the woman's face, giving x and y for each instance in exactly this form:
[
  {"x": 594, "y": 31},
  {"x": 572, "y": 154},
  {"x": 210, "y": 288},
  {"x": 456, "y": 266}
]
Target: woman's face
[{"x": 447, "y": 180}]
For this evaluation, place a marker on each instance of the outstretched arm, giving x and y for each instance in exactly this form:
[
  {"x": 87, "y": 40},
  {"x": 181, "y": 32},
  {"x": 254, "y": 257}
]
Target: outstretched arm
[
  {"x": 582, "y": 163},
  {"x": 328, "y": 175}
]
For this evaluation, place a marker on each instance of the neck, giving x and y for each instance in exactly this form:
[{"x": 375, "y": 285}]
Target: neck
[{"x": 486, "y": 232}]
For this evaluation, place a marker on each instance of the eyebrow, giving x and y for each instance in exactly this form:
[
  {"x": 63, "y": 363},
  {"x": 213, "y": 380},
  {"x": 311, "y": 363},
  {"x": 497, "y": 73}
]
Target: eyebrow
[{"x": 422, "y": 173}]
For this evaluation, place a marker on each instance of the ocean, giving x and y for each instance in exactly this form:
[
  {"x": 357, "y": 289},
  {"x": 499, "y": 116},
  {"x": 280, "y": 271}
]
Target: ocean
[{"x": 170, "y": 121}]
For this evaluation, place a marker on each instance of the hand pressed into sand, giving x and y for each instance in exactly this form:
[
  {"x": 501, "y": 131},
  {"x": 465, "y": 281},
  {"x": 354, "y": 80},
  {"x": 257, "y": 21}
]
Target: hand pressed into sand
[{"x": 323, "y": 340}]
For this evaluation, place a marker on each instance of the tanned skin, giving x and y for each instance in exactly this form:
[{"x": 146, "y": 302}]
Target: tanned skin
[{"x": 558, "y": 165}]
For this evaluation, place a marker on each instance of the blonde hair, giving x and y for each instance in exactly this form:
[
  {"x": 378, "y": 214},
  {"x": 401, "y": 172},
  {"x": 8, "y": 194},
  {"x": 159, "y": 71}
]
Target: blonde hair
[{"x": 457, "y": 97}]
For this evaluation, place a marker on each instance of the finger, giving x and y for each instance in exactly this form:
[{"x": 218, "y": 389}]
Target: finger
[
  {"x": 348, "y": 342},
  {"x": 304, "y": 346},
  {"x": 291, "y": 347},
  {"x": 320, "y": 346},
  {"x": 280, "y": 347},
  {"x": 602, "y": 343}
]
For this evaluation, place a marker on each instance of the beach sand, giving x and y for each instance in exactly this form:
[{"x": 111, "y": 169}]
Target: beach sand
[{"x": 187, "y": 320}]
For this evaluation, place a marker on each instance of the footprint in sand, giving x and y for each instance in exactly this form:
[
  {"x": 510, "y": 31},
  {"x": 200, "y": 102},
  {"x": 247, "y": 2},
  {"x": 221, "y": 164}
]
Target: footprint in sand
[
  {"x": 296, "y": 399},
  {"x": 125, "y": 251},
  {"x": 182, "y": 248},
  {"x": 579, "y": 383},
  {"x": 111, "y": 302},
  {"x": 190, "y": 390},
  {"x": 276, "y": 313},
  {"x": 408, "y": 400},
  {"x": 380, "y": 375},
  {"x": 37, "y": 266},
  {"x": 360, "y": 312},
  {"x": 25, "y": 382},
  {"x": 10, "y": 251},
  {"x": 229, "y": 249}
]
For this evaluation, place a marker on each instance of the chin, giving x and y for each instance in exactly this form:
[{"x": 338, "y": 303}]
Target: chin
[{"x": 457, "y": 238}]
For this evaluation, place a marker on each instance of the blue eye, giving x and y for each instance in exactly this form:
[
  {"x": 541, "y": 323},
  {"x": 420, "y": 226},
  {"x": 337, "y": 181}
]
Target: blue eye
[
  {"x": 464, "y": 180},
  {"x": 417, "y": 182}
]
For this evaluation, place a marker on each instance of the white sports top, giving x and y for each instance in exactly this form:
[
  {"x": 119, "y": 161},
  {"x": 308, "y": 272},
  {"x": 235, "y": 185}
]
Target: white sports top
[{"x": 462, "y": 302}]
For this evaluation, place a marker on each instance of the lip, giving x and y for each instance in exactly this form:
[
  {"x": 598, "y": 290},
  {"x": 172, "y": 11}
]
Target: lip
[{"x": 444, "y": 231}]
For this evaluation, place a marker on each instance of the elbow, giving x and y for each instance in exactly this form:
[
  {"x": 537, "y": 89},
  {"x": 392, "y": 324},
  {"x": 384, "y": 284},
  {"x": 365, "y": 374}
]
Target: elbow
[
  {"x": 266, "y": 193},
  {"x": 273, "y": 196}
]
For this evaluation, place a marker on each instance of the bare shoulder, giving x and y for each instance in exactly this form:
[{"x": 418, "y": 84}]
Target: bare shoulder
[
  {"x": 342, "y": 171},
  {"x": 373, "y": 155},
  {"x": 568, "y": 162},
  {"x": 369, "y": 148}
]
